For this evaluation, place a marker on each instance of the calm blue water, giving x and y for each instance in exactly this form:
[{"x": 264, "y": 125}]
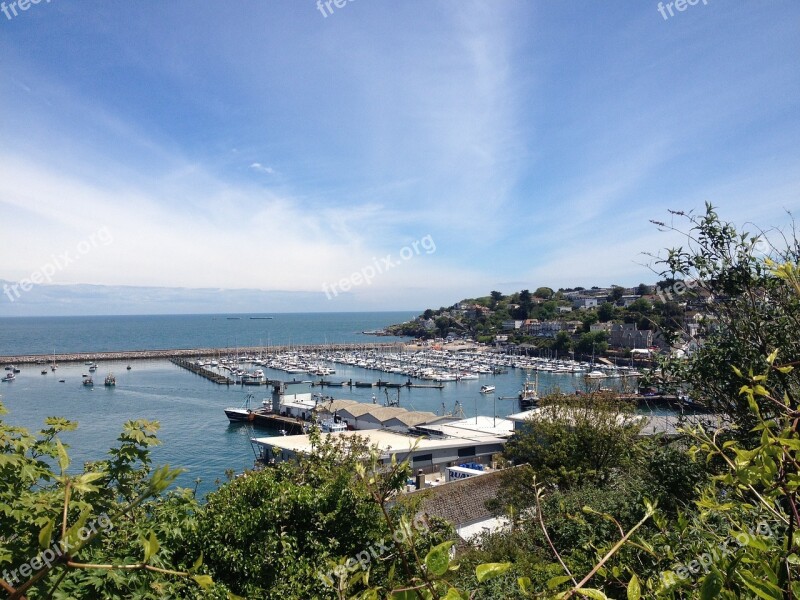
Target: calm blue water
[
  {"x": 194, "y": 430},
  {"x": 44, "y": 335}
]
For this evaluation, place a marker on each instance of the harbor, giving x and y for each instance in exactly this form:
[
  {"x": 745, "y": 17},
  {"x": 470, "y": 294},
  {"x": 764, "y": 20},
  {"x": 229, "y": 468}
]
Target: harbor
[{"x": 369, "y": 383}]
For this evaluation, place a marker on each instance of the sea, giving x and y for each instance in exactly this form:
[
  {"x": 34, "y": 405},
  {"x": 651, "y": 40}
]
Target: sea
[{"x": 194, "y": 433}]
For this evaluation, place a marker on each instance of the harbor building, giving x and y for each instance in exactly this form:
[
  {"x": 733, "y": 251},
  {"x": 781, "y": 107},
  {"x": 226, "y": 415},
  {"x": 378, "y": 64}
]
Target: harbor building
[{"x": 424, "y": 453}]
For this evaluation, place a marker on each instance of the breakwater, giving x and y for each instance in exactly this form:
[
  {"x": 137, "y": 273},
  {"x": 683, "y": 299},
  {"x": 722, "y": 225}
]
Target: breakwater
[{"x": 192, "y": 353}]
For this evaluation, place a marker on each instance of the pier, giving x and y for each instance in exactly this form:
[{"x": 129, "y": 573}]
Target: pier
[
  {"x": 127, "y": 355},
  {"x": 291, "y": 425},
  {"x": 202, "y": 371}
]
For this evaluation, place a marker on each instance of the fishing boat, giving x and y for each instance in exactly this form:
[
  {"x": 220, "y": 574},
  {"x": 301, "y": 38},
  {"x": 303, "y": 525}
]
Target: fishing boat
[
  {"x": 487, "y": 389},
  {"x": 246, "y": 412},
  {"x": 88, "y": 382},
  {"x": 529, "y": 395},
  {"x": 110, "y": 380}
]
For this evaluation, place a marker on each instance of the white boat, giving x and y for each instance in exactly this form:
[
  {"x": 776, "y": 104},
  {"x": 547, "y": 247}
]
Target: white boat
[
  {"x": 9, "y": 377},
  {"x": 333, "y": 426},
  {"x": 487, "y": 389},
  {"x": 595, "y": 375}
]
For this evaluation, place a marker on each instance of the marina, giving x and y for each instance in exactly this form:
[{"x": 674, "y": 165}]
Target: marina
[{"x": 388, "y": 385}]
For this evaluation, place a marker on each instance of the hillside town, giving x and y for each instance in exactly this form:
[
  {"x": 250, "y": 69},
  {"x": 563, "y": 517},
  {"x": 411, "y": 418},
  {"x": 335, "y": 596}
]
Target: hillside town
[{"x": 633, "y": 322}]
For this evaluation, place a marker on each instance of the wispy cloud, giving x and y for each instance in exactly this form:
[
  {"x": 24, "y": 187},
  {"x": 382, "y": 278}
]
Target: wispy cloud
[
  {"x": 258, "y": 167},
  {"x": 531, "y": 143}
]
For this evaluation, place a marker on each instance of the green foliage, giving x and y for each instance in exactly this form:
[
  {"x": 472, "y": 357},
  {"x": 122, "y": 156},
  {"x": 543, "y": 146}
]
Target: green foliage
[
  {"x": 576, "y": 438},
  {"x": 73, "y": 534},
  {"x": 592, "y": 343}
]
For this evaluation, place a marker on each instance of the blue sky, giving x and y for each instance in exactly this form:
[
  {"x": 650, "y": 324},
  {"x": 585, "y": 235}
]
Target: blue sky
[{"x": 260, "y": 145}]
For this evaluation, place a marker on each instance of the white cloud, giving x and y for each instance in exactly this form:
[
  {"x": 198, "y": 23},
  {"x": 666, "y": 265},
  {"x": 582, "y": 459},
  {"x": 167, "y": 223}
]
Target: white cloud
[{"x": 256, "y": 166}]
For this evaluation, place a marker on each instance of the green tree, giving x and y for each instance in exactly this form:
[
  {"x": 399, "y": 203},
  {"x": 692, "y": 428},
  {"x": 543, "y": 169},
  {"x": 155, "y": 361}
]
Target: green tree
[
  {"x": 103, "y": 531},
  {"x": 562, "y": 343},
  {"x": 544, "y": 292},
  {"x": 748, "y": 311},
  {"x": 576, "y": 438},
  {"x": 616, "y": 293},
  {"x": 495, "y": 297},
  {"x": 606, "y": 312},
  {"x": 592, "y": 343}
]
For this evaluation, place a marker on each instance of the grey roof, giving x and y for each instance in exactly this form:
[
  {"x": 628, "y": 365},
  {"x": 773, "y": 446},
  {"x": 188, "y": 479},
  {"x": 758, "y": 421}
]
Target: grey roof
[{"x": 460, "y": 502}]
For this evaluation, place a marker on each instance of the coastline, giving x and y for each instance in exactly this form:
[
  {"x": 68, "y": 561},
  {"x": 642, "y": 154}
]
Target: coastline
[{"x": 187, "y": 352}]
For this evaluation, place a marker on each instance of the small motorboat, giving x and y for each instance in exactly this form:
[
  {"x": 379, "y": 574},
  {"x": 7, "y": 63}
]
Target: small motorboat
[
  {"x": 128, "y": 367},
  {"x": 9, "y": 377},
  {"x": 487, "y": 389},
  {"x": 44, "y": 371}
]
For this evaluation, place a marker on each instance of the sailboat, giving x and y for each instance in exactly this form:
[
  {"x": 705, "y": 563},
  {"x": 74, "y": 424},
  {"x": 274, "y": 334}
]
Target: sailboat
[{"x": 54, "y": 366}]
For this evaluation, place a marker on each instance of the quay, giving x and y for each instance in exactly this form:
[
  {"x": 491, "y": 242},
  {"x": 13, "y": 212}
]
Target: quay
[
  {"x": 291, "y": 425},
  {"x": 24, "y": 359}
]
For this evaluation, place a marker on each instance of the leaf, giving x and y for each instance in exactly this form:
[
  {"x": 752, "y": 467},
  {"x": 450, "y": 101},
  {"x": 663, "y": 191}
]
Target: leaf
[
  {"x": 771, "y": 358},
  {"x": 634, "y": 589},
  {"x": 72, "y": 538},
  {"x": 452, "y": 594},
  {"x": 46, "y": 535},
  {"x": 438, "y": 559},
  {"x": 151, "y": 546},
  {"x": 761, "y": 587},
  {"x": 83, "y": 483},
  {"x": 592, "y": 593},
  {"x": 63, "y": 457},
  {"x": 711, "y": 586},
  {"x": 198, "y": 563},
  {"x": 204, "y": 581},
  {"x": 490, "y": 570},
  {"x": 524, "y": 584},
  {"x": 557, "y": 581}
]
